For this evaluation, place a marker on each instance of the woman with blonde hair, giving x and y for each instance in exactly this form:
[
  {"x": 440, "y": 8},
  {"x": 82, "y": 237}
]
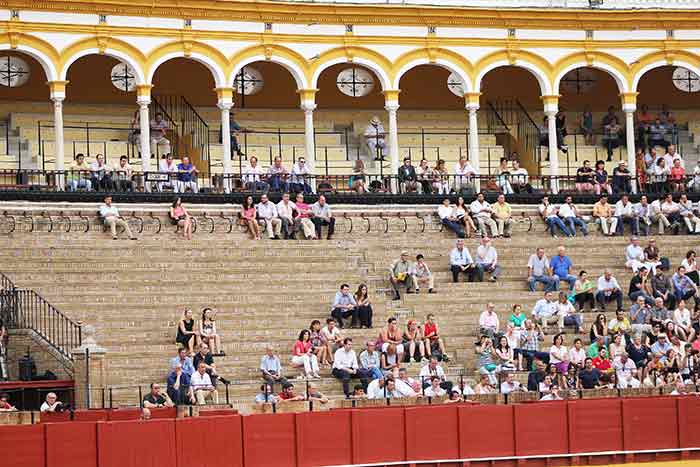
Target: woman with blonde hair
[{"x": 207, "y": 331}]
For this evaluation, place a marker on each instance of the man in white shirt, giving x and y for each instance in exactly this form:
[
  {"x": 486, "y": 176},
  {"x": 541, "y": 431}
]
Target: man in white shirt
[
  {"x": 253, "y": 176},
  {"x": 624, "y": 212},
  {"x": 550, "y": 216},
  {"x": 510, "y": 385},
  {"x": 464, "y": 176},
  {"x": 422, "y": 275},
  {"x": 51, "y": 404},
  {"x": 487, "y": 260},
  {"x": 101, "y": 174},
  {"x": 546, "y": 312},
  {"x": 434, "y": 390},
  {"x": 201, "y": 386},
  {"x": 635, "y": 257},
  {"x": 626, "y": 371},
  {"x": 482, "y": 213},
  {"x": 322, "y": 215},
  {"x": 657, "y": 215},
  {"x": 608, "y": 290},
  {"x": 167, "y": 166},
  {"x": 268, "y": 218},
  {"x": 285, "y": 211},
  {"x": 538, "y": 270},
  {"x": 433, "y": 368},
  {"x": 110, "y": 216},
  {"x": 672, "y": 211},
  {"x": 122, "y": 175},
  {"x": 374, "y": 137},
  {"x": 687, "y": 212},
  {"x": 345, "y": 366},
  {"x": 461, "y": 262},
  {"x": 519, "y": 179},
  {"x": 643, "y": 211},
  {"x": 488, "y": 321},
  {"x": 277, "y": 176},
  {"x": 301, "y": 177},
  {"x": 569, "y": 212},
  {"x": 160, "y": 145},
  {"x": 448, "y": 218},
  {"x": 377, "y": 389}
]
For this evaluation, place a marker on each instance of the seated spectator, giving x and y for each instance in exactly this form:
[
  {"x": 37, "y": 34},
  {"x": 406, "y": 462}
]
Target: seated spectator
[
  {"x": 461, "y": 262},
  {"x": 321, "y": 215},
  {"x": 303, "y": 356},
  {"x": 640, "y": 286},
  {"x": 561, "y": 267},
  {"x": 559, "y": 354},
  {"x": 421, "y": 275},
  {"x": 434, "y": 344},
  {"x": 202, "y": 386},
  {"x": 207, "y": 332},
  {"x": 400, "y": 274},
  {"x": 617, "y": 346},
  {"x": 502, "y": 179},
  {"x": 187, "y": 336},
  {"x": 441, "y": 179},
  {"x": 271, "y": 368},
  {"x": 449, "y": 219},
  {"x": 672, "y": 211},
  {"x": 455, "y": 396},
  {"x": 639, "y": 353},
  {"x": 684, "y": 288},
  {"x": 433, "y": 368},
  {"x": 488, "y": 321},
  {"x": 687, "y": 213},
  {"x": 505, "y": 356},
  {"x": 608, "y": 290},
  {"x": 463, "y": 214},
  {"x": 487, "y": 260},
  {"x": 319, "y": 343},
  {"x": 682, "y": 321},
  {"x": 111, "y": 218},
  {"x": 407, "y": 386},
  {"x": 268, "y": 218},
  {"x": 288, "y": 394},
  {"x": 486, "y": 358},
  {"x": 160, "y": 145},
  {"x": 519, "y": 178},
  {"x": 662, "y": 288},
  {"x": 382, "y": 388},
  {"x": 179, "y": 388},
  {"x": 602, "y": 362},
  {"x": 101, "y": 174},
  {"x": 204, "y": 356},
  {"x": 485, "y": 385},
  {"x": 79, "y": 175},
  {"x": 550, "y": 216},
  {"x": 567, "y": 314},
  {"x": 345, "y": 366},
  {"x": 285, "y": 211},
  {"x": 169, "y": 167},
  {"x": 303, "y": 219},
  {"x": 408, "y": 180},
  {"x": 584, "y": 178},
  {"x": 577, "y": 355},
  {"x": 249, "y": 218},
  {"x": 546, "y": 311},
  {"x": 509, "y": 385},
  {"x": 635, "y": 258},
  {"x": 52, "y": 404},
  {"x": 464, "y": 177},
  {"x": 539, "y": 270},
  {"x": 358, "y": 392},
  {"x": 344, "y": 306},
  {"x": 313, "y": 394},
  {"x": 434, "y": 390},
  {"x": 691, "y": 266},
  {"x": 622, "y": 179},
  {"x": 657, "y": 134},
  {"x": 156, "y": 399},
  {"x": 266, "y": 395},
  {"x": 183, "y": 360},
  {"x": 643, "y": 211},
  {"x": 301, "y": 178},
  {"x": 658, "y": 176},
  {"x": 123, "y": 173},
  {"x": 180, "y": 217},
  {"x": 659, "y": 313},
  {"x": 277, "y": 175},
  {"x": 186, "y": 176},
  {"x": 5, "y": 405},
  {"x": 620, "y": 324},
  {"x": 502, "y": 215},
  {"x": 553, "y": 394},
  {"x": 253, "y": 177},
  {"x": 332, "y": 336},
  {"x": 536, "y": 375},
  {"x": 530, "y": 339},
  {"x": 676, "y": 176},
  {"x": 569, "y": 212},
  {"x": 583, "y": 291},
  {"x": 413, "y": 342},
  {"x": 603, "y": 214},
  {"x": 640, "y": 316},
  {"x": 589, "y": 376},
  {"x": 390, "y": 361},
  {"x": 358, "y": 182},
  {"x": 370, "y": 361},
  {"x": 482, "y": 212},
  {"x": 598, "y": 333},
  {"x": 624, "y": 213},
  {"x": 391, "y": 335},
  {"x": 364, "y": 306},
  {"x": 657, "y": 215}
]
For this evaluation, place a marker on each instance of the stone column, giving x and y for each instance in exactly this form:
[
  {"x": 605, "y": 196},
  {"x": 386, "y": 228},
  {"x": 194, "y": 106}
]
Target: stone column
[
  {"x": 89, "y": 371},
  {"x": 225, "y": 102},
  {"x": 143, "y": 98},
  {"x": 472, "y": 105},
  {"x": 551, "y": 107},
  {"x": 391, "y": 99},
  {"x": 307, "y": 103},
  {"x": 629, "y": 106},
  {"x": 57, "y": 91}
]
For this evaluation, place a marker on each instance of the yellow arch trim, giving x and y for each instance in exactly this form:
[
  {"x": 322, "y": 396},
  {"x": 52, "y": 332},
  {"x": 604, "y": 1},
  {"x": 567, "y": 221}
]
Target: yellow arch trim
[
  {"x": 101, "y": 43},
  {"x": 431, "y": 55},
  {"x": 187, "y": 47},
  {"x": 511, "y": 56},
  {"x": 351, "y": 52},
  {"x": 269, "y": 51},
  {"x": 17, "y": 38},
  {"x": 667, "y": 55},
  {"x": 586, "y": 59}
]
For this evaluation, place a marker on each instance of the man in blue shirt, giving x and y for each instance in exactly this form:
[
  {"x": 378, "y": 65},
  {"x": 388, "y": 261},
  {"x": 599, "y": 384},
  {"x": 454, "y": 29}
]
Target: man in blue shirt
[
  {"x": 179, "y": 388},
  {"x": 561, "y": 267},
  {"x": 461, "y": 261},
  {"x": 183, "y": 360},
  {"x": 186, "y": 176},
  {"x": 684, "y": 287},
  {"x": 344, "y": 306}
]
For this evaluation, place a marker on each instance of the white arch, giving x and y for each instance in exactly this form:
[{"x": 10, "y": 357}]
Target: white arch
[
  {"x": 450, "y": 66},
  {"x": 540, "y": 75},
  {"x": 45, "y": 62},
  {"x": 296, "y": 72},
  {"x": 212, "y": 66},
  {"x": 119, "y": 55},
  {"x": 659, "y": 64},
  {"x": 378, "y": 70},
  {"x": 616, "y": 75}
]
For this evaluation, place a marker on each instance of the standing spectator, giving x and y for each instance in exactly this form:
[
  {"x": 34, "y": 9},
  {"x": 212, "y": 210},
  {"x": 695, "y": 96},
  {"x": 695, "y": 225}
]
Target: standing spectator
[
  {"x": 612, "y": 134},
  {"x": 321, "y": 215},
  {"x": 345, "y": 366},
  {"x": 583, "y": 291},
  {"x": 400, "y": 274},
  {"x": 624, "y": 212},
  {"x": 603, "y": 214},
  {"x": 156, "y": 399},
  {"x": 344, "y": 306},
  {"x": 487, "y": 260},
  {"x": 482, "y": 213},
  {"x": 569, "y": 212},
  {"x": 622, "y": 178},
  {"x": 267, "y": 215},
  {"x": 464, "y": 177},
  {"x": 271, "y": 368},
  {"x": 187, "y": 336},
  {"x": 550, "y": 216},
  {"x": 253, "y": 177},
  {"x": 277, "y": 175},
  {"x": 180, "y": 217},
  {"x": 539, "y": 270},
  {"x": 421, "y": 275},
  {"x": 303, "y": 220},
  {"x": 434, "y": 344},
  {"x": 183, "y": 360},
  {"x": 249, "y": 218},
  {"x": 608, "y": 290},
  {"x": 303, "y": 356},
  {"x": 408, "y": 180},
  {"x": 179, "y": 388},
  {"x": 448, "y": 219},
  {"x": 370, "y": 361},
  {"x": 461, "y": 262},
  {"x": 364, "y": 306},
  {"x": 546, "y": 312},
  {"x": 502, "y": 214},
  {"x": 186, "y": 176},
  {"x": 202, "y": 386},
  {"x": 285, "y": 211},
  {"x": 374, "y": 138},
  {"x": 111, "y": 218},
  {"x": 207, "y": 331},
  {"x": 586, "y": 125},
  {"x": 301, "y": 177},
  {"x": 561, "y": 267},
  {"x": 488, "y": 321}
]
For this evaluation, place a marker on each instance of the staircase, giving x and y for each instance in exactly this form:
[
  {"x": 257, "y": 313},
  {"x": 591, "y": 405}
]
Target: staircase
[{"x": 515, "y": 130}]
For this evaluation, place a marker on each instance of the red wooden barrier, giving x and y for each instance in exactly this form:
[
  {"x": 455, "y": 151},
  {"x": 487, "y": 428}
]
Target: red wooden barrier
[
  {"x": 209, "y": 441},
  {"x": 650, "y": 423},
  {"x": 137, "y": 443},
  {"x": 269, "y": 440},
  {"x": 54, "y": 417},
  {"x": 125, "y": 414},
  {"x": 71, "y": 444},
  {"x": 323, "y": 438},
  {"x": 541, "y": 428},
  {"x": 92, "y": 415},
  {"x": 486, "y": 431},
  {"x": 22, "y": 445},
  {"x": 595, "y": 425},
  {"x": 432, "y": 432},
  {"x": 689, "y": 422},
  {"x": 367, "y": 446}
]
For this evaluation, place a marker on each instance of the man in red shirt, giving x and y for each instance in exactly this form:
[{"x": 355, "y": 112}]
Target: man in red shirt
[{"x": 288, "y": 394}]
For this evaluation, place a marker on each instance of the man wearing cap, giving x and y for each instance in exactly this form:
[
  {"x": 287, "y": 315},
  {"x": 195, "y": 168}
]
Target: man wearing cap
[
  {"x": 622, "y": 179},
  {"x": 400, "y": 274},
  {"x": 374, "y": 137},
  {"x": 661, "y": 347}
]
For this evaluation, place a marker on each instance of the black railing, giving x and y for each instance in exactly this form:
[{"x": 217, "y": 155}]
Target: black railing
[
  {"x": 188, "y": 125},
  {"x": 513, "y": 116}
]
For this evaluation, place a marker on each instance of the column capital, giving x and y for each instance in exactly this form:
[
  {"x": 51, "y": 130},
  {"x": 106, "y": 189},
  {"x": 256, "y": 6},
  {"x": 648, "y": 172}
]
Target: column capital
[
  {"x": 223, "y": 105},
  {"x": 57, "y": 89},
  {"x": 551, "y": 103},
  {"x": 308, "y": 106},
  {"x": 471, "y": 100},
  {"x": 391, "y": 106},
  {"x": 224, "y": 94},
  {"x": 391, "y": 95},
  {"x": 629, "y": 101},
  {"x": 143, "y": 92}
]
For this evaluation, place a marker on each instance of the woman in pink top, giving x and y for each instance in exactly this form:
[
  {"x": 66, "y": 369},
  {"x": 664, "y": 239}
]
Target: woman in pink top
[
  {"x": 303, "y": 356},
  {"x": 249, "y": 218},
  {"x": 303, "y": 211},
  {"x": 180, "y": 217},
  {"x": 677, "y": 177}
]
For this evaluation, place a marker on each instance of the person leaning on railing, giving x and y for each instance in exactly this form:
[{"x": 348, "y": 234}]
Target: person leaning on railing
[
  {"x": 79, "y": 177},
  {"x": 156, "y": 398},
  {"x": 187, "y": 176},
  {"x": 122, "y": 175}
]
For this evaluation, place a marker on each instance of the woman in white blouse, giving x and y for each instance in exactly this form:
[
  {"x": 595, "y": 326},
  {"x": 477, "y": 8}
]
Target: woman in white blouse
[
  {"x": 558, "y": 354},
  {"x": 617, "y": 346},
  {"x": 681, "y": 316},
  {"x": 691, "y": 266},
  {"x": 577, "y": 354}
]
